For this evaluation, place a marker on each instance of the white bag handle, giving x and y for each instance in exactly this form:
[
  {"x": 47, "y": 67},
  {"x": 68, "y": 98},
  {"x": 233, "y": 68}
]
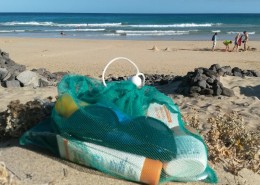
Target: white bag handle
[{"x": 123, "y": 58}]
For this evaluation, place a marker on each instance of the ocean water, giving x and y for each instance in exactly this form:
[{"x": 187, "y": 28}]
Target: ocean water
[{"x": 129, "y": 26}]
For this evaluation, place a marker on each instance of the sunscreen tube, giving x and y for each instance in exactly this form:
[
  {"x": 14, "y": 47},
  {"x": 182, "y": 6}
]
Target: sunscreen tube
[
  {"x": 191, "y": 158},
  {"x": 121, "y": 164}
]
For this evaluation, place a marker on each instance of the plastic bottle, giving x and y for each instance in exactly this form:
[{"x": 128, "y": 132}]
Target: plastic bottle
[
  {"x": 191, "y": 158},
  {"x": 111, "y": 161},
  {"x": 66, "y": 106}
]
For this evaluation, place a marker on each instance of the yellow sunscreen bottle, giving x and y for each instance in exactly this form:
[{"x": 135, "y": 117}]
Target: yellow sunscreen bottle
[{"x": 66, "y": 106}]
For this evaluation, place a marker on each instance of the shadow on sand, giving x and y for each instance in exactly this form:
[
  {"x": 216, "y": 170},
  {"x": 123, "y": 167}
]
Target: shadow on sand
[
  {"x": 251, "y": 91},
  {"x": 198, "y": 49}
]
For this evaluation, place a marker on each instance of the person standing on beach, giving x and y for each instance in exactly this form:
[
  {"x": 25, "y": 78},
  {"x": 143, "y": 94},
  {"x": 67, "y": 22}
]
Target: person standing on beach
[
  {"x": 214, "y": 39},
  {"x": 245, "y": 41},
  {"x": 238, "y": 40}
]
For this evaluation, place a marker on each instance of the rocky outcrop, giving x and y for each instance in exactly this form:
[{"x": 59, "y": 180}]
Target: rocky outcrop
[
  {"x": 205, "y": 81},
  {"x": 8, "y": 68},
  {"x": 201, "y": 81},
  {"x": 15, "y": 75}
]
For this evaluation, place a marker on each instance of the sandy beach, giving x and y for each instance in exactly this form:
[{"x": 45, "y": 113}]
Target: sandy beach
[{"x": 89, "y": 57}]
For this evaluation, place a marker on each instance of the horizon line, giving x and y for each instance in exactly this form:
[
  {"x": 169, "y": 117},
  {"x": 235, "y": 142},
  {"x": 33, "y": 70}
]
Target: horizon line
[{"x": 131, "y": 13}]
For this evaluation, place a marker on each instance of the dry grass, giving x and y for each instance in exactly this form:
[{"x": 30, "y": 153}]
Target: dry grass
[
  {"x": 5, "y": 177},
  {"x": 230, "y": 143}
]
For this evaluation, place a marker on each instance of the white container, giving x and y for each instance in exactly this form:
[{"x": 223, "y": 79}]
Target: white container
[
  {"x": 199, "y": 177},
  {"x": 129, "y": 166},
  {"x": 191, "y": 158}
]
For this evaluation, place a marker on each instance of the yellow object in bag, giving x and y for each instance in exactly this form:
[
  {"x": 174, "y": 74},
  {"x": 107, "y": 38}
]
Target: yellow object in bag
[{"x": 66, "y": 106}]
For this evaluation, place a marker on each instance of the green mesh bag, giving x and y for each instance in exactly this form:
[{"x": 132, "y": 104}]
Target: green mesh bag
[{"x": 124, "y": 129}]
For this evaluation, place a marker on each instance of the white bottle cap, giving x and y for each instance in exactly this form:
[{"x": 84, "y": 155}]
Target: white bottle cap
[{"x": 136, "y": 80}]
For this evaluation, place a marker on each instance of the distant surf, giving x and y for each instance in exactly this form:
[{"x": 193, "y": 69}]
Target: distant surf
[{"x": 131, "y": 26}]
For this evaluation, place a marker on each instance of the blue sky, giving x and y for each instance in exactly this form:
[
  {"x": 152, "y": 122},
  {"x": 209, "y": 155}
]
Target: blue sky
[{"x": 132, "y": 6}]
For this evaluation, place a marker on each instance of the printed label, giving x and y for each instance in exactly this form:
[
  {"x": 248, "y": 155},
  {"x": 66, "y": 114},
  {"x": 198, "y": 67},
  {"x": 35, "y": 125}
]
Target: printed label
[
  {"x": 108, "y": 160},
  {"x": 161, "y": 113}
]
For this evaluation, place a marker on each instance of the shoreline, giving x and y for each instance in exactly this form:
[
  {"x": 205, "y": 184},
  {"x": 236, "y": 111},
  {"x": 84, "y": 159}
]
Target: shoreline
[
  {"x": 179, "y": 38},
  {"x": 130, "y": 26}
]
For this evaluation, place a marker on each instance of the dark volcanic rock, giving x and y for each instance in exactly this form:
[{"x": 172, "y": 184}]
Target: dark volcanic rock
[
  {"x": 227, "y": 70},
  {"x": 3, "y": 73},
  {"x": 256, "y": 73},
  {"x": 237, "y": 72},
  {"x": 202, "y": 84},
  {"x": 217, "y": 90},
  {"x": 207, "y": 92},
  {"x": 205, "y": 82},
  {"x": 215, "y": 67},
  {"x": 227, "y": 92},
  {"x": 195, "y": 89}
]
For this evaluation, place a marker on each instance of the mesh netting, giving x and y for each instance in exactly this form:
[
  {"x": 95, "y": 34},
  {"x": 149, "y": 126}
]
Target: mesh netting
[
  {"x": 113, "y": 116},
  {"x": 123, "y": 130}
]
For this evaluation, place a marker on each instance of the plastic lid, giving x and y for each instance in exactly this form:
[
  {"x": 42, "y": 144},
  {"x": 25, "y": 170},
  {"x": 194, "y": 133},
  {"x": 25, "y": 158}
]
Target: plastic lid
[
  {"x": 191, "y": 158},
  {"x": 151, "y": 171},
  {"x": 185, "y": 167}
]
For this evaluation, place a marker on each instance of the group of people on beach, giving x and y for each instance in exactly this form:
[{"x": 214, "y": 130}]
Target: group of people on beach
[{"x": 239, "y": 39}]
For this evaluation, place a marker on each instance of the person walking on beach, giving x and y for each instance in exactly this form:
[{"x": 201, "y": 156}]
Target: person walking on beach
[
  {"x": 238, "y": 40},
  {"x": 245, "y": 41},
  {"x": 227, "y": 43},
  {"x": 214, "y": 39}
]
